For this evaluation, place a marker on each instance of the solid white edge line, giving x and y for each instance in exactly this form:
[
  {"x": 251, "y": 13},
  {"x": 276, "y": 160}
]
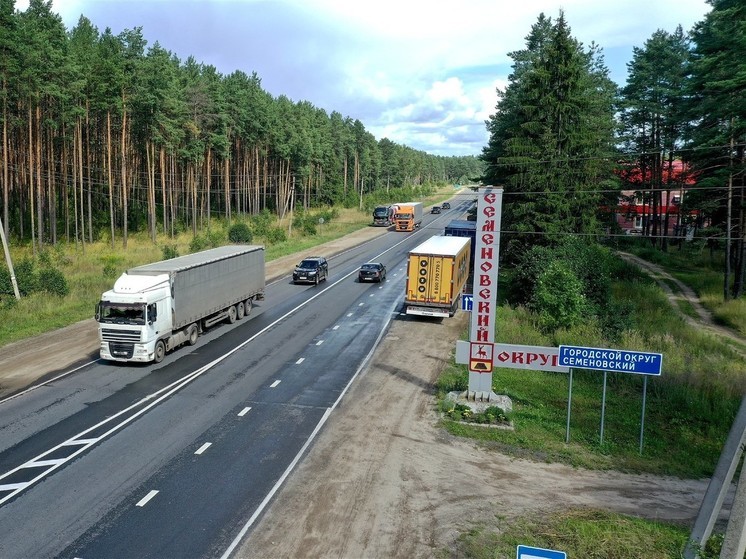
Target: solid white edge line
[
  {"x": 58, "y": 377},
  {"x": 204, "y": 447},
  {"x": 144, "y": 501},
  {"x": 312, "y": 436}
]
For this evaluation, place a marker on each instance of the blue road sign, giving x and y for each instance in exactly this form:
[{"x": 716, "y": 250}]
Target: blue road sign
[
  {"x": 467, "y": 300},
  {"x": 526, "y": 552},
  {"x": 614, "y": 360}
]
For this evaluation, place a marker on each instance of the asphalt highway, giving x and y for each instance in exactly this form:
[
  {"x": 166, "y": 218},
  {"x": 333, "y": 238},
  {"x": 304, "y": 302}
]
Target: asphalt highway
[{"x": 179, "y": 459}]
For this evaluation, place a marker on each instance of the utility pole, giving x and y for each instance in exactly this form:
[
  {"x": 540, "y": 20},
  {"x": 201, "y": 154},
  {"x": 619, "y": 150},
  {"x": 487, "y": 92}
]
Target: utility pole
[{"x": 9, "y": 261}]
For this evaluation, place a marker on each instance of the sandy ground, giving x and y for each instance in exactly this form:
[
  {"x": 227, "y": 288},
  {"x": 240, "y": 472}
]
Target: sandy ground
[{"x": 381, "y": 479}]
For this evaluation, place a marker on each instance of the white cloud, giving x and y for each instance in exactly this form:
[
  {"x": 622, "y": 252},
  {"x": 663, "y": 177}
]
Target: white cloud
[{"x": 420, "y": 72}]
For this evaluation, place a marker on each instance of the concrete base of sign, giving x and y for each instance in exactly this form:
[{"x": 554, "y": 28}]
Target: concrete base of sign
[{"x": 480, "y": 401}]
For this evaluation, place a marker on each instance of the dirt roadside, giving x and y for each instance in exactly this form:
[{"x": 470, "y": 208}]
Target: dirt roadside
[{"x": 382, "y": 480}]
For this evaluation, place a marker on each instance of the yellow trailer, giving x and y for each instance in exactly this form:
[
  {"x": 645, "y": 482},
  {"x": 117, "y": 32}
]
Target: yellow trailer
[{"x": 437, "y": 271}]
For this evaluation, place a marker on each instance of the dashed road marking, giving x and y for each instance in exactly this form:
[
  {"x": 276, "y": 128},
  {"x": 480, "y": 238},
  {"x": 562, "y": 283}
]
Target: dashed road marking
[
  {"x": 275, "y": 383},
  {"x": 320, "y": 342},
  {"x": 144, "y": 500},
  {"x": 301, "y": 360},
  {"x": 243, "y": 412},
  {"x": 204, "y": 447}
]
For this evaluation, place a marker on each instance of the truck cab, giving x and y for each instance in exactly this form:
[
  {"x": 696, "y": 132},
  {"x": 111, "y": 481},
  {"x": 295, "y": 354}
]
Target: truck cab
[{"x": 132, "y": 317}]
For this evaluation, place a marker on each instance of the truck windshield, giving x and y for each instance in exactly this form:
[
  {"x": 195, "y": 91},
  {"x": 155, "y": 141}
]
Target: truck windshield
[
  {"x": 122, "y": 313},
  {"x": 403, "y": 216},
  {"x": 381, "y": 212}
]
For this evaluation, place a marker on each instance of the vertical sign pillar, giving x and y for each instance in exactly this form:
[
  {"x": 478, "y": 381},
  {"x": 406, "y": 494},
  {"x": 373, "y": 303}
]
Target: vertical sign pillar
[{"x": 484, "y": 309}]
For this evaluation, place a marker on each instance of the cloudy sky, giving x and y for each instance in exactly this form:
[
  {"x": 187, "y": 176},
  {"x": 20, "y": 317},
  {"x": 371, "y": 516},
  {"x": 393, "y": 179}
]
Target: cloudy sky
[{"x": 422, "y": 73}]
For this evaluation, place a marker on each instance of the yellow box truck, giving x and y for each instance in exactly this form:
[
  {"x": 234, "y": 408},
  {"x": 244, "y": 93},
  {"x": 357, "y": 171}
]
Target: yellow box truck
[{"x": 437, "y": 271}]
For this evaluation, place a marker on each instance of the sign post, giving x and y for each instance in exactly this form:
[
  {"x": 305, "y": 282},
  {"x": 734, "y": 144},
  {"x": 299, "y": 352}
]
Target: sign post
[
  {"x": 484, "y": 301},
  {"x": 615, "y": 361}
]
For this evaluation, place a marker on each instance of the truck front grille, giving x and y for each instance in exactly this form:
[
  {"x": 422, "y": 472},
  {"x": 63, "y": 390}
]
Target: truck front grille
[{"x": 123, "y": 336}]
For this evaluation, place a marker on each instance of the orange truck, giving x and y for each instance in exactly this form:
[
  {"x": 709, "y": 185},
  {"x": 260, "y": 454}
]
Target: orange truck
[
  {"x": 437, "y": 271},
  {"x": 408, "y": 216}
]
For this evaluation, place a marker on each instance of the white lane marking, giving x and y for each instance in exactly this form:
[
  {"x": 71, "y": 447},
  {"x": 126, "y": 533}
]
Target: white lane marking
[
  {"x": 361, "y": 304},
  {"x": 78, "y": 442},
  {"x": 301, "y": 360},
  {"x": 244, "y": 412},
  {"x": 227, "y": 553},
  {"x": 43, "y": 463},
  {"x": 320, "y": 342},
  {"x": 204, "y": 447},
  {"x": 50, "y": 381},
  {"x": 336, "y": 327},
  {"x": 144, "y": 500},
  {"x": 371, "y": 295},
  {"x": 275, "y": 383},
  {"x": 349, "y": 314},
  {"x": 14, "y": 486}
]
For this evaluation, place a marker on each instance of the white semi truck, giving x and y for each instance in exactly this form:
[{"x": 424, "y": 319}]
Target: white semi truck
[{"x": 156, "y": 307}]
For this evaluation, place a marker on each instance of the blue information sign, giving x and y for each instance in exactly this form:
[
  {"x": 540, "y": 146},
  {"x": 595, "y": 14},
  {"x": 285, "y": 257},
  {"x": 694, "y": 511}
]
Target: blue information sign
[
  {"x": 467, "y": 300},
  {"x": 526, "y": 552},
  {"x": 614, "y": 360}
]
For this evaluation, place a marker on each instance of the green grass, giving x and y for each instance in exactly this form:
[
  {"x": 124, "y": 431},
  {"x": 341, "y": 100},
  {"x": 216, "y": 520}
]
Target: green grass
[
  {"x": 688, "y": 412},
  {"x": 586, "y": 534},
  {"x": 695, "y": 267}
]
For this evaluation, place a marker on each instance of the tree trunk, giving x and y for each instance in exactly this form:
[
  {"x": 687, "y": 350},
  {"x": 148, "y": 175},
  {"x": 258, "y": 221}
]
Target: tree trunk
[
  {"x": 125, "y": 194},
  {"x": 109, "y": 173}
]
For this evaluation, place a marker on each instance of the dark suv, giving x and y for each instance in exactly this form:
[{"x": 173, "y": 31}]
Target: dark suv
[{"x": 311, "y": 270}]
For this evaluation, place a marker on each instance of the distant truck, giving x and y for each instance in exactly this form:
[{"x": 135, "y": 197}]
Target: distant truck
[
  {"x": 156, "y": 307},
  {"x": 463, "y": 228},
  {"x": 383, "y": 216},
  {"x": 408, "y": 216},
  {"x": 437, "y": 271}
]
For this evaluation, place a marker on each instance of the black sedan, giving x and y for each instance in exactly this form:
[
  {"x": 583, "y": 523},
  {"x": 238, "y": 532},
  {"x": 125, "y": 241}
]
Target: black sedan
[
  {"x": 372, "y": 271},
  {"x": 435, "y": 210},
  {"x": 446, "y": 206}
]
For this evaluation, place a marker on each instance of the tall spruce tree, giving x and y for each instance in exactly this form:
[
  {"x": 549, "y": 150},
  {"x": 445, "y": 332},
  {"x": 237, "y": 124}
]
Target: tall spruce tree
[
  {"x": 551, "y": 139},
  {"x": 718, "y": 111}
]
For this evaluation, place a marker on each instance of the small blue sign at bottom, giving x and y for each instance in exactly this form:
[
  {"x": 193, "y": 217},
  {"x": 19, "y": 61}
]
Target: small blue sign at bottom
[{"x": 526, "y": 552}]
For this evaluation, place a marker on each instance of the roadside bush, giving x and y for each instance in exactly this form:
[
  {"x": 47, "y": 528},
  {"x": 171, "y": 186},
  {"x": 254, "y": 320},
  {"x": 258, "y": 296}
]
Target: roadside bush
[
  {"x": 53, "y": 281},
  {"x": 169, "y": 252},
  {"x": 262, "y": 222},
  {"x": 276, "y": 235},
  {"x": 25, "y": 276},
  {"x": 240, "y": 233},
  {"x": 558, "y": 298}
]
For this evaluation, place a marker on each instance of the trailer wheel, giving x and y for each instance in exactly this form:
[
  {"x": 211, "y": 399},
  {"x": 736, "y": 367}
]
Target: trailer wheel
[
  {"x": 240, "y": 310},
  {"x": 160, "y": 351},
  {"x": 232, "y": 315},
  {"x": 193, "y": 334},
  {"x": 247, "y": 306}
]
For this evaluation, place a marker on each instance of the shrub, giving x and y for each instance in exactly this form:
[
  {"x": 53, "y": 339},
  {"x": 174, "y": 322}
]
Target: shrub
[
  {"x": 26, "y": 277},
  {"x": 558, "y": 298},
  {"x": 198, "y": 242},
  {"x": 169, "y": 252},
  {"x": 240, "y": 233},
  {"x": 53, "y": 281},
  {"x": 262, "y": 222},
  {"x": 276, "y": 235}
]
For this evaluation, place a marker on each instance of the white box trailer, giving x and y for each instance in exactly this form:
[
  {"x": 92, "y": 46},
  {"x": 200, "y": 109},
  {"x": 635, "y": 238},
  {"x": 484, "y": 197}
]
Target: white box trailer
[{"x": 156, "y": 307}]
